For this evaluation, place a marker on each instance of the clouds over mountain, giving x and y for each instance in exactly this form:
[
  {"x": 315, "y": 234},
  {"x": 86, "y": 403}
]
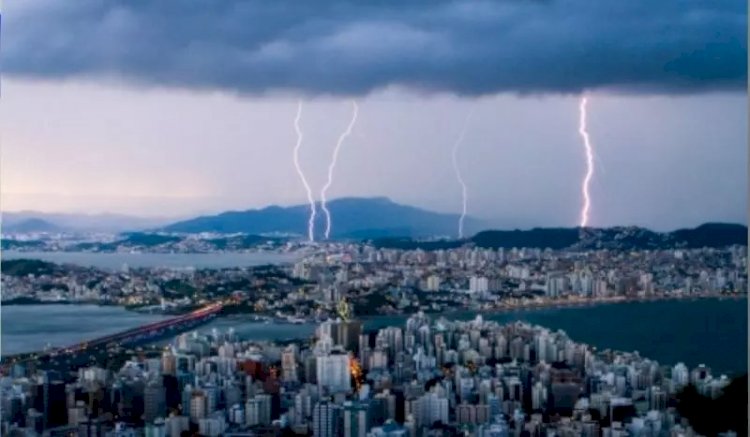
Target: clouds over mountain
[{"x": 347, "y": 47}]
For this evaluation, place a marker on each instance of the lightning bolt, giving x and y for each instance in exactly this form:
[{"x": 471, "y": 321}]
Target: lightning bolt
[
  {"x": 589, "y": 163},
  {"x": 310, "y": 200},
  {"x": 459, "y": 177},
  {"x": 332, "y": 166}
]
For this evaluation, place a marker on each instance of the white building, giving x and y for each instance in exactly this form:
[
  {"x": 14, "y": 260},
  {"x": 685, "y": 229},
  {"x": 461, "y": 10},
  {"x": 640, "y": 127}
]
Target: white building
[
  {"x": 333, "y": 372},
  {"x": 479, "y": 284},
  {"x": 433, "y": 283},
  {"x": 431, "y": 408}
]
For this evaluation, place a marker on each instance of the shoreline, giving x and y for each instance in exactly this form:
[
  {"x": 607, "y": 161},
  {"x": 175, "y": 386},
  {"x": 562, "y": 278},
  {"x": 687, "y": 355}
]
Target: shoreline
[
  {"x": 21, "y": 301},
  {"x": 587, "y": 302},
  {"x": 565, "y": 304},
  {"x": 538, "y": 316},
  {"x": 507, "y": 308}
]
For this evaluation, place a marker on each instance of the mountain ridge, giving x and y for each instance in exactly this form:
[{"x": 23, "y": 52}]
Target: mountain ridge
[
  {"x": 710, "y": 235},
  {"x": 388, "y": 224},
  {"x": 352, "y": 217},
  {"x": 78, "y": 222}
]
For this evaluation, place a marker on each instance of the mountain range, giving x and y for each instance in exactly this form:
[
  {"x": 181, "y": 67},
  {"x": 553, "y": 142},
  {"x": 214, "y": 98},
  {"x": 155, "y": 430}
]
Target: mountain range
[
  {"x": 382, "y": 221},
  {"x": 356, "y": 218},
  {"x": 713, "y": 235},
  {"x": 35, "y": 221},
  {"x": 616, "y": 238}
]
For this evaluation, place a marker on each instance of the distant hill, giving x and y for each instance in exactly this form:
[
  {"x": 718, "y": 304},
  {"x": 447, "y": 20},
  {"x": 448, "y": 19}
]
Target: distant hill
[
  {"x": 146, "y": 240},
  {"x": 31, "y": 225},
  {"x": 412, "y": 244},
  {"x": 554, "y": 238},
  {"x": 356, "y": 218},
  {"x": 23, "y": 267},
  {"x": 616, "y": 238},
  {"x": 712, "y": 235},
  {"x": 79, "y": 222}
]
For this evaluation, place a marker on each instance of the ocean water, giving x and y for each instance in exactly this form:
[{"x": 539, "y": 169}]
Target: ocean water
[
  {"x": 707, "y": 331},
  {"x": 28, "y": 328},
  {"x": 116, "y": 260}
]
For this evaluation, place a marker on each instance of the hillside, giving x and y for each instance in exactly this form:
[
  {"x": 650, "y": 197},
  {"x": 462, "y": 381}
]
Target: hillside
[
  {"x": 712, "y": 235},
  {"x": 30, "y": 221},
  {"x": 358, "y": 218},
  {"x": 30, "y": 225},
  {"x": 616, "y": 238},
  {"x": 23, "y": 267},
  {"x": 554, "y": 238}
]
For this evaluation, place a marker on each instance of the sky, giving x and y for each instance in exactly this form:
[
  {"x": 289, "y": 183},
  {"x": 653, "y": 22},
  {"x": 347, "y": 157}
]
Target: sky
[{"x": 175, "y": 109}]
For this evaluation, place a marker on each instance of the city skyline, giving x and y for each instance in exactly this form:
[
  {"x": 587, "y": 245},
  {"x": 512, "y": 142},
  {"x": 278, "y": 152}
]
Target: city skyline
[{"x": 486, "y": 218}]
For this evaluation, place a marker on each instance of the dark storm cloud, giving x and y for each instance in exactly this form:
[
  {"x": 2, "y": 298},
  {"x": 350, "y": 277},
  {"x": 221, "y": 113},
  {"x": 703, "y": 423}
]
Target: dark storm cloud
[{"x": 466, "y": 47}]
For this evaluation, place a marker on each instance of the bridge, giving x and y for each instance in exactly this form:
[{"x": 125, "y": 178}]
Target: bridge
[{"x": 141, "y": 334}]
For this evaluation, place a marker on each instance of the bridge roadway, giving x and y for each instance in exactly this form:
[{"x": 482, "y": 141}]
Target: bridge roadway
[{"x": 133, "y": 335}]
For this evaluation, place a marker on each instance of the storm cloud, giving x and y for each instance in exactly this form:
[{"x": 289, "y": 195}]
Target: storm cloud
[{"x": 352, "y": 48}]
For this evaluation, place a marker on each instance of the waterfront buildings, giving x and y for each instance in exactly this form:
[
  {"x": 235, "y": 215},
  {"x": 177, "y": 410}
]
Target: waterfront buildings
[{"x": 432, "y": 375}]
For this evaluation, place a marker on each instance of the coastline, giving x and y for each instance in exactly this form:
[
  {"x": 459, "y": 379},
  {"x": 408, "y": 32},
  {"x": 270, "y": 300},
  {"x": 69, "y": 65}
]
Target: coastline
[
  {"x": 509, "y": 307},
  {"x": 19, "y": 301},
  {"x": 715, "y": 328},
  {"x": 586, "y": 302}
]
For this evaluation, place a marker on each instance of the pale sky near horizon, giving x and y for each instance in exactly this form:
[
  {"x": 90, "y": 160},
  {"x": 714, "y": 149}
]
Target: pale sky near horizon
[{"x": 670, "y": 152}]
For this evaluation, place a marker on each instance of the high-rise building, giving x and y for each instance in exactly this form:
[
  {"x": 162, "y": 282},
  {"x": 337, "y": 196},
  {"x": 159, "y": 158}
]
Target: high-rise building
[
  {"x": 325, "y": 419},
  {"x": 390, "y": 339},
  {"x": 657, "y": 399},
  {"x": 303, "y": 406},
  {"x": 333, "y": 372},
  {"x": 466, "y": 414},
  {"x": 213, "y": 426},
  {"x": 198, "y": 406},
  {"x": 154, "y": 401},
  {"x": 356, "y": 419},
  {"x": 433, "y": 283},
  {"x": 289, "y": 364},
  {"x": 236, "y": 415},
  {"x": 430, "y": 408},
  {"x": 538, "y": 396},
  {"x": 479, "y": 284},
  {"x": 680, "y": 376},
  {"x": 51, "y": 401},
  {"x": 258, "y": 410},
  {"x": 348, "y": 334}
]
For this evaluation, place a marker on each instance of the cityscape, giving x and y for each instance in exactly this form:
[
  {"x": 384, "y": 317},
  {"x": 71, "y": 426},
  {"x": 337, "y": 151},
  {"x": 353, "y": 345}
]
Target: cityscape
[
  {"x": 340, "y": 218},
  {"x": 432, "y": 376},
  {"x": 395, "y": 281},
  {"x": 429, "y": 377}
]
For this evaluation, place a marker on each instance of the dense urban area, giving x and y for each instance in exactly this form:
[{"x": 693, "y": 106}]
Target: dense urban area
[
  {"x": 432, "y": 377},
  {"x": 429, "y": 377},
  {"x": 389, "y": 281}
]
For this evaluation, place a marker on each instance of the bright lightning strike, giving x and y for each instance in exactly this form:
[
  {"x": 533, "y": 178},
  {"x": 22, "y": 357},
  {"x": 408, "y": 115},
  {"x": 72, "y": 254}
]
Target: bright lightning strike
[
  {"x": 459, "y": 177},
  {"x": 310, "y": 200},
  {"x": 332, "y": 166},
  {"x": 589, "y": 164}
]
